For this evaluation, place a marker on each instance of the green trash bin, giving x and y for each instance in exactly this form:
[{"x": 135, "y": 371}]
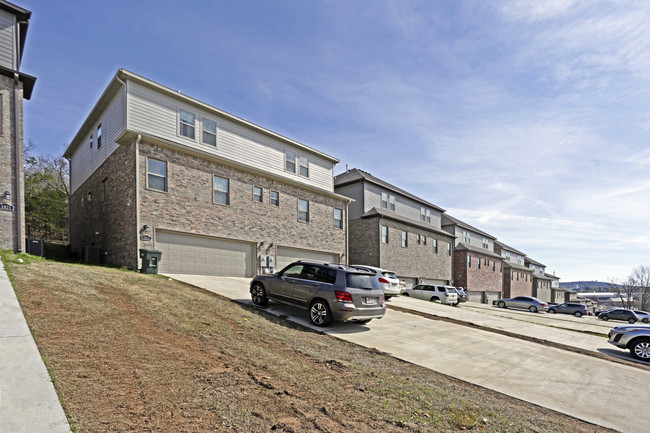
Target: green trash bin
[{"x": 150, "y": 260}]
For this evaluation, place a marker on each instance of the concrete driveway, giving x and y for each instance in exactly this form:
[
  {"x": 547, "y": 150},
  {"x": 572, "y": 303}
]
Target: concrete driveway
[{"x": 561, "y": 380}]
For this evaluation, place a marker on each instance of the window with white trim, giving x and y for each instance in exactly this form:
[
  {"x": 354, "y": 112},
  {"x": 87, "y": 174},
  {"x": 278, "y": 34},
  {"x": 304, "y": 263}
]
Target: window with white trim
[
  {"x": 209, "y": 132},
  {"x": 384, "y": 234},
  {"x": 424, "y": 240},
  {"x": 303, "y": 210},
  {"x": 469, "y": 262},
  {"x": 274, "y": 198},
  {"x": 423, "y": 214},
  {"x": 91, "y": 141},
  {"x": 99, "y": 136},
  {"x": 338, "y": 218},
  {"x": 304, "y": 166},
  {"x": 221, "y": 190},
  {"x": 486, "y": 243},
  {"x": 435, "y": 246},
  {"x": 186, "y": 124},
  {"x": 156, "y": 174},
  {"x": 428, "y": 216},
  {"x": 258, "y": 194},
  {"x": 418, "y": 239},
  {"x": 384, "y": 200},
  {"x": 449, "y": 248},
  {"x": 405, "y": 240},
  {"x": 391, "y": 202},
  {"x": 290, "y": 162},
  {"x": 466, "y": 237}
]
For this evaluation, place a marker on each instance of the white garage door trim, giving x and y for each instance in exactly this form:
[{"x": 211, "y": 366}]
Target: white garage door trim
[
  {"x": 184, "y": 253},
  {"x": 286, "y": 255}
]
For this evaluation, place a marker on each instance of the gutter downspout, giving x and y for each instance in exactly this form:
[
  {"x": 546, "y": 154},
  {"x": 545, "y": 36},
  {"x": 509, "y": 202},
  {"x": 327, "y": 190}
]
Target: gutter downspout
[
  {"x": 137, "y": 198},
  {"x": 18, "y": 146},
  {"x": 379, "y": 240}
]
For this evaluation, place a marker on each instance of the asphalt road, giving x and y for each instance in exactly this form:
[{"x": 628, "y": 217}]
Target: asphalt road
[{"x": 595, "y": 390}]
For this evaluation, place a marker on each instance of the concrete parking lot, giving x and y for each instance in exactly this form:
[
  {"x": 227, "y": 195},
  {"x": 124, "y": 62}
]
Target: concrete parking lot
[{"x": 565, "y": 381}]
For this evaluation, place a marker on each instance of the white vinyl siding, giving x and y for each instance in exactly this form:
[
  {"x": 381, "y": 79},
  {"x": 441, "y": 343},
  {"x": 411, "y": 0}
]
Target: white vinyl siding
[
  {"x": 155, "y": 113},
  {"x": 7, "y": 45},
  {"x": 404, "y": 206},
  {"x": 86, "y": 160},
  {"x": 355, "y": 192}
]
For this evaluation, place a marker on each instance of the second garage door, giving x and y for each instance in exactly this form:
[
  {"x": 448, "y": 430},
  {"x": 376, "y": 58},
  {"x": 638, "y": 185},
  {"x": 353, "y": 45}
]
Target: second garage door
[
  {"x": 201, "y": 255},
  {"x": 286, "y": 255}
]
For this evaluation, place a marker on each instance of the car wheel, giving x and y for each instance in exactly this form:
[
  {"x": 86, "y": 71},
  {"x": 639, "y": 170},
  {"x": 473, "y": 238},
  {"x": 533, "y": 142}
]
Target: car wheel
[
  {"x": 387, "y": 297},
  {"x": 640, "y": 349},
  {"x": 258, "y": 295},
  {"x": 604, "y": 317},
  {"x": 577, "y": 314},
  {"x": 551, "y": 311},
  {"x": 501, "y": 304},
  {"x": 645, "y": 320},
  {"x": 532, "y": 309},
  {"x": 631, "y": 321},
  {"x": 433, "y": 299},
  {"x": 406, "y": 294},
  {"x": 320, "y": 313}
]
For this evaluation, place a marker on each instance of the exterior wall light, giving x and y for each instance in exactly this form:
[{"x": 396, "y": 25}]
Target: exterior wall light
[{"x": 7, "y": 195}]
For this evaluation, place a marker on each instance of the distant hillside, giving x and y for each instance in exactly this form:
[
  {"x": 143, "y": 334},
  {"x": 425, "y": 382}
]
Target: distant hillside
[{"x": 587, "y": 286}]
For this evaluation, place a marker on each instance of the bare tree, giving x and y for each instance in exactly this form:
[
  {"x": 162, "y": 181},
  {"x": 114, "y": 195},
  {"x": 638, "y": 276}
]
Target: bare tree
[
  {"x": 627, "y": 290},
  {"x": 641, "y": 275}
]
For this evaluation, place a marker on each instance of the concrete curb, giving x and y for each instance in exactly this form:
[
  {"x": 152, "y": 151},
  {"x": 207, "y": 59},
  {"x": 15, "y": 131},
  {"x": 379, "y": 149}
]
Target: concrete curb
[{"x": 28, "y": 401}]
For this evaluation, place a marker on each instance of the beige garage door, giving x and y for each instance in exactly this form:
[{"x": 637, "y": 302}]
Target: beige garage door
[
  {"x": 475, "y": 296},
  {"x": 287, "y": 255},
  {"x": 200, "y": 255}
]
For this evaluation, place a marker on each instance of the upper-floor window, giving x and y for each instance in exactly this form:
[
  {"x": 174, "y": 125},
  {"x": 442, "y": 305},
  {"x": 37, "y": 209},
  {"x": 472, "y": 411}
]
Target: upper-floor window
[
  {"x": 274, "y": 198},
  {"x": 209, "y": 132},
  {"x": 221, "y": 190},
  {"x": 466, "y": 237},
  {"x": 99, "y": 136},
  {"x": 424, "y": 240},
  {"x": 493, "y": 265},
  {"x": 469, "y": 261},
  {"x": 91, "y": 141},
  {"x": 391, "y": 202},
  {"x": 428, "y": 216},
  {"x": 435, "y": 246},
  {"x": 304, "y": 166},
  {"x": 384, "y": 234},
  {"x": 423, "y": 214},
  {"x": 486, "y": 243},
  {"x": 387, "y": 201},
  {"x": 384, "y": 200},
  {"x": 258, "y": 195},
  {"x": 519, "y": 259},
  {"x": 338, "y": 218},
  {"x": 449, "y": 248},
  {"x": 156, "y": 174},
  {"x": 478, "y": 263},
  {"x": 418, "y": 239},
  {"x": 187, "y": 124},
  {"x": 507, "y": 255},
  {"x": 290, "y": 162},
  {"x": 303, "y": 210},
  {"x": 405, "y": 242}
]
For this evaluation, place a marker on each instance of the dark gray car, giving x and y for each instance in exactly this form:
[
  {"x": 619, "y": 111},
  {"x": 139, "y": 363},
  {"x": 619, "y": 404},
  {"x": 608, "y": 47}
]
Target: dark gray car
[
  {"x": 577, "y": 310},
  {"x": 619, "y": 314},
  {"x": 328, "y": 291}
]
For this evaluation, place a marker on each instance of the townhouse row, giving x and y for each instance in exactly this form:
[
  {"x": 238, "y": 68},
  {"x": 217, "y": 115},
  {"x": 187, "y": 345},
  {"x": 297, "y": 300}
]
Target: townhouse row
[{"x": 153, "y": 168}]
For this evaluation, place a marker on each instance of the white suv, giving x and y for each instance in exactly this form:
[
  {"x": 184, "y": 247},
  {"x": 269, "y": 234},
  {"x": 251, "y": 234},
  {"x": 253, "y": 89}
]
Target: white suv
[
  {"x": 443, "y": 294},
  {"x": 387, "y": 280}
]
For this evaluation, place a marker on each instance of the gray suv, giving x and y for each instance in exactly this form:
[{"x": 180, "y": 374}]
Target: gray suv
[
  {"x": 328, "y": 291},
  {"x": 577, "y": 310},
  {"x": 636, "y": 338}
]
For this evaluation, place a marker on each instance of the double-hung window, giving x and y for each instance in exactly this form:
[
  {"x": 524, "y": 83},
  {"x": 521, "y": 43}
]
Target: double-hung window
[
  {"x": 418, "y": 239},
  {"x": 424, "y": 240},
  {"x": 91, "y": 141},
  {"x": 99, "y": 136},
  {"x": 209, "y": 132},
  {"x": 186, "y": 126},
  {"x": 469, "y": 262},
  {"x": 304, "y": 166},
  {"x": 274, "y": 198},
  {"x": 338, "y": 218},
  {"x": 303, "y": 210},
  {"x": 449, "y": 248},
  {"x": 405, "y": 241},
  {"x": 290, "y": 162},
  {"x": 391, "y": 202},
  {"x": 384, "y": 200},
  {"x": 486, "y": 243},
  {"x": 384, "y": 234},
  {"x": 435, "y": 246},
  {"x": 428, "y": 216},
  {"x": 156, "y": 174},
  {"x": 221, "y": 190},
  {"x": 423, "y": 214},
  {"x": 258, "y": 194}
]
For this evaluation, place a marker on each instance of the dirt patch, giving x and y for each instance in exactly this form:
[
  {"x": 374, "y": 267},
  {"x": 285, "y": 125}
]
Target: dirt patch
[{"x": 138, "y": 353}]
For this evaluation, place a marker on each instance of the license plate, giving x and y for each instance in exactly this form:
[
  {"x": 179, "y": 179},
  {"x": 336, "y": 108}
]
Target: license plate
[{"x": 370, "y": 300}]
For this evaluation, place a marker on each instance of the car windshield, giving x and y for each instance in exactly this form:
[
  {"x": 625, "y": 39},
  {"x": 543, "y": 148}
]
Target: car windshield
[{"x": 360, "y": 281}]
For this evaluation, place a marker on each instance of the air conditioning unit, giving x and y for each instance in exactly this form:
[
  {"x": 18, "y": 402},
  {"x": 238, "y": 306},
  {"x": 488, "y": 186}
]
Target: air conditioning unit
[{"x": 91, "y": 254}]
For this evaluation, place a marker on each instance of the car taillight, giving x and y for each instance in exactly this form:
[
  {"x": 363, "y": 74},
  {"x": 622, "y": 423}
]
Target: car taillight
[
  {"x": 343, "y": 296},
  {"x": 383, "y": 280},
  {"x": 544, "y": 305}
]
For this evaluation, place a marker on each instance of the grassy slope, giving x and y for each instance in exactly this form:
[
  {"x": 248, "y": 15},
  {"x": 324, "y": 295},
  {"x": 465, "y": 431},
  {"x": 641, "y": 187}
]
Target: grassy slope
[{"x": 132, "y": 352}]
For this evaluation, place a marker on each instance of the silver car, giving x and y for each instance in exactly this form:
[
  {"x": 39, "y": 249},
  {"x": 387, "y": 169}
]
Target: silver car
[
  {"x": 644, "y": 316},
  {"x": 523, "y": 302},
  {"x": 636, "y": 338},
  {"x": 328, "y": 291},
  {"x": 387, "y": 280}
]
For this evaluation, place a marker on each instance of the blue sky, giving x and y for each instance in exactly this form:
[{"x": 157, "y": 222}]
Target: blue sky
[{"x": 527, "y": 119}]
